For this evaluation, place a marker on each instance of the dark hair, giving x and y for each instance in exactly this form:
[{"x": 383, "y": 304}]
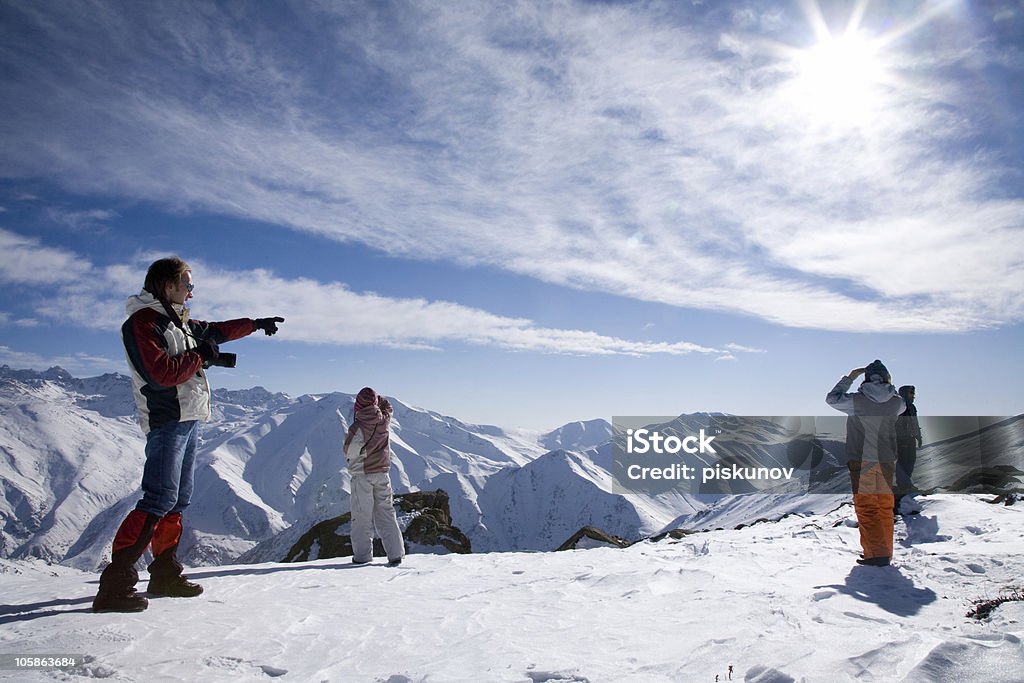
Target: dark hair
[{"x": 164, "y": 272}]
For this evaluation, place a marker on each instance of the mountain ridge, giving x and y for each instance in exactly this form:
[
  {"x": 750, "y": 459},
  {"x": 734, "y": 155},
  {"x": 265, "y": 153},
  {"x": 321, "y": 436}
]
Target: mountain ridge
[
  {"x": 269, "y": 467},
  {"x": 268, "y": 462}
]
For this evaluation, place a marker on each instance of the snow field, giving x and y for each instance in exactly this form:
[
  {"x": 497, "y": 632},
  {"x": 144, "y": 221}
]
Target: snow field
[{"x": 780, "y": 601}]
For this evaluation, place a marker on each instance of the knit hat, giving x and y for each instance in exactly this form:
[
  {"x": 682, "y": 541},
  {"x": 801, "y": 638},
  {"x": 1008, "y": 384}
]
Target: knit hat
[
  {"x": 877, "y": 369},
  {"x": 905, "y": 390},
  {"x": 366, "y": 397}
]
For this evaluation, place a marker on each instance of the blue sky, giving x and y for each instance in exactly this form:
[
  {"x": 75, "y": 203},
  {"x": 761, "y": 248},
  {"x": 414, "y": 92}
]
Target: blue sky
[{"x": 529, "y": 213}]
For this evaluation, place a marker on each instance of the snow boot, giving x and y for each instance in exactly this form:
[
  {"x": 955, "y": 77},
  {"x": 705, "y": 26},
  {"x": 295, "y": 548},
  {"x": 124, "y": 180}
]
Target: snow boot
[
  {"x": 395, "y": 563},
  {"x": 165, "y": 576},
  {"x": 874, "y": 561},
  {"x": 166, "y": 579},
  {"x": 117, "y": 588},
  {"x": 117, "y": 582}
]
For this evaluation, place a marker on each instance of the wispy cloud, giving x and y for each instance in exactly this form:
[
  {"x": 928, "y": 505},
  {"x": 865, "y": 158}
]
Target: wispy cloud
[
  {"x": 651, "y": 153},
  {"x": 739, "y": 348},
  {"x": 331, "y": 313},
  {"x": 25, "y": 260},
  {"x": 90, "y": 220}
]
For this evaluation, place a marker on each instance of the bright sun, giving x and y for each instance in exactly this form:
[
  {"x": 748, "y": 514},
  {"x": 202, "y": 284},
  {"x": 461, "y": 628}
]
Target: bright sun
[{"x": 838, "y": 80}]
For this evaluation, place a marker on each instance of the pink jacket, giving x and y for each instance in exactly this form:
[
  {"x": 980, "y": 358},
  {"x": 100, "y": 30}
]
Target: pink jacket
[{"x": 368, "y": 442}]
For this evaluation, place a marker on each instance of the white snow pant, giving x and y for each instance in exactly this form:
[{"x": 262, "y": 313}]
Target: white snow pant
[{"x": 373, "y": 507}]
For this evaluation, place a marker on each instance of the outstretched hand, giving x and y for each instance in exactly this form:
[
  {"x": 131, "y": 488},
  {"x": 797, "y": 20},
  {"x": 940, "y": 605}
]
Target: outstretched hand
[
  {"x": 855, "y": 373},
  {"x": 268, "y": 325}
]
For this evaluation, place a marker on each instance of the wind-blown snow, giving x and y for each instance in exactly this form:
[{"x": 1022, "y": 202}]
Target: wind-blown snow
[{"x": 779, "y": 601}]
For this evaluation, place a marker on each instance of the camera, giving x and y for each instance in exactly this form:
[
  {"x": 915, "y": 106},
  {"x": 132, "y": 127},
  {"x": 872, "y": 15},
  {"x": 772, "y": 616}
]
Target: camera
[{"x": 223, "y": 360}]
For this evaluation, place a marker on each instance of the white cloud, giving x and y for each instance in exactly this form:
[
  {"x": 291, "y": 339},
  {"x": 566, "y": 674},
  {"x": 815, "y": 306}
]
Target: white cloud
[
  {"x": 739, "y": 348},
  {"x": 81, "y": 220},
  {"x": 331, "y": 313},
  {"x": 24, "y": 260},
  {"x": 597, "y": 147}
]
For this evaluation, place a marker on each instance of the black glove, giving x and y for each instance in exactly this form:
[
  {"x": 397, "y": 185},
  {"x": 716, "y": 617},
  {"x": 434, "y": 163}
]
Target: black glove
[
  {"x": 208, "y": 350},
  {"x": 268, "y": 325}
]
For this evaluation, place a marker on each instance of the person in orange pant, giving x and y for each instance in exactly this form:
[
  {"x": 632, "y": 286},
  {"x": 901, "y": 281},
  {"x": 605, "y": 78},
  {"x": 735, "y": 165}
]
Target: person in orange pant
[{"x": 871, "y": 454}]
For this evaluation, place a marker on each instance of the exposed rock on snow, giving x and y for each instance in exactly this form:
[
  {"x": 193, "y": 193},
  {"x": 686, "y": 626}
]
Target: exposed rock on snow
[
  {"x": 423, "y": 515},
  {"x": 592, "y": 537}
]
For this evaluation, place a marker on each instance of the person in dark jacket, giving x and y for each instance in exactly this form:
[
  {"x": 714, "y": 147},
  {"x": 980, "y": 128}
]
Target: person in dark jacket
[
  {"x": 871, "y": 455},
  {"x": 908, "y": 440},
  {"x": 167, "y": 354},
  {"x": 367, "y": 449}
]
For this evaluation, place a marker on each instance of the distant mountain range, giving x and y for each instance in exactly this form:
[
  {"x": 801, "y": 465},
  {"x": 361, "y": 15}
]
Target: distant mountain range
[{"x": 270, "y": 467}]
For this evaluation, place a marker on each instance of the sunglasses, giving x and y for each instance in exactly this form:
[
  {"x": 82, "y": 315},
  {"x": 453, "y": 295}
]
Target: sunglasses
[{"x": 190, "y": 287}]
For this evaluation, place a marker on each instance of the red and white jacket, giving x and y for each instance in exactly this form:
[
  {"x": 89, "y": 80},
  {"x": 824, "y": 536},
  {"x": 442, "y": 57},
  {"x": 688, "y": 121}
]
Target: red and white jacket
[{"x": 168, "y": 380}]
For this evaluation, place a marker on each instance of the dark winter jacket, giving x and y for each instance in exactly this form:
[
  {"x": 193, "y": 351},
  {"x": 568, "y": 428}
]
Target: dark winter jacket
[
  {"x": 908, "y": 429},
  {"x": 871, "y": 427},
  {"x": 167, "y": 373}
]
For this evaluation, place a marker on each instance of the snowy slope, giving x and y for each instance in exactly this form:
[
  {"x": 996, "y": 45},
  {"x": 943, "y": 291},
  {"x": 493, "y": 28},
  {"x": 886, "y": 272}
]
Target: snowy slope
[
  {"x": 540, "y": 505},
  {"x": 578, "y": 435},
  {"x": 778, "y": 602},
  {"x": 270, "y": 466},
  {"x": 69, "y": 455}
]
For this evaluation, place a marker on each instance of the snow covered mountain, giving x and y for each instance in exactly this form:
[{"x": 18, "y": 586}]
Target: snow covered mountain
[{"x": 269, "y": 467}]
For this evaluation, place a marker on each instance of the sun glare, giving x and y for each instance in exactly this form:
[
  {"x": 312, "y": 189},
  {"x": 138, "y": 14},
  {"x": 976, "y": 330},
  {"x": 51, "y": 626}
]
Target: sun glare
[{"x": 838, "y": 80}]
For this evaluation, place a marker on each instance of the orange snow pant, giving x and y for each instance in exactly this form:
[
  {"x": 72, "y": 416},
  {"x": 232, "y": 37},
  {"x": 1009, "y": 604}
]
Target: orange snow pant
[{"x": 873, "y": 502}]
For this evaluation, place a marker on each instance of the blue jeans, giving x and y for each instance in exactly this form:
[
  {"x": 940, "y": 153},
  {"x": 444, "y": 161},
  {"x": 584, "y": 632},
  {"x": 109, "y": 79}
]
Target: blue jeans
[{"x": 167, "y": 476}]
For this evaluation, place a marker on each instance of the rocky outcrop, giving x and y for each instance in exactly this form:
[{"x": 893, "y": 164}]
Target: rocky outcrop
[
  {"x": 431, "y": 522},
  {"x": 592, "y": 537},
  {"x": 426, "y": 523},
  {"x": 674, "y": 534}
]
